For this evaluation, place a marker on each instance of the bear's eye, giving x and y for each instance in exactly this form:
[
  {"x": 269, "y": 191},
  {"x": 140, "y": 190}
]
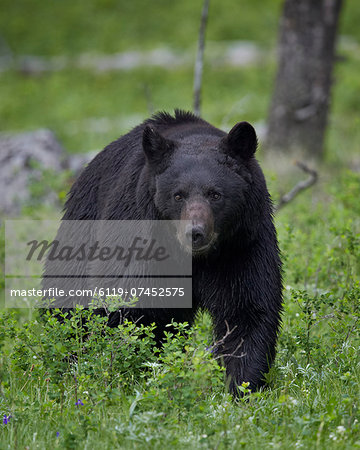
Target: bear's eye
[
  {"x": 214, "y": 195},
  {"x": 178, "y": 197}
]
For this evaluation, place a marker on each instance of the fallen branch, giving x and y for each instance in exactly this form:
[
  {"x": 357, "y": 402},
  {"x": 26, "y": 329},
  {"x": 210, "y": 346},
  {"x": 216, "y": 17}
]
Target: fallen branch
[
  {"x": 233, "y": 354},
  {"x": 199, "y": 63},
  {"x": 301, "y": 186},
  {"x": 217, "y": 344}
]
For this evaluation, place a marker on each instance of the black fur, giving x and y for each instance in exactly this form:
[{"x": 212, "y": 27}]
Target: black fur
[{"x": 238, "y": 280}]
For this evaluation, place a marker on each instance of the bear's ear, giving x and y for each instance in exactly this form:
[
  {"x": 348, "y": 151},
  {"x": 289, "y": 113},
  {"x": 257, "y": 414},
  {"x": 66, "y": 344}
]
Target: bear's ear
[
  {"x": 241, "y": 142},
  {"x": 156, "y": 147}
]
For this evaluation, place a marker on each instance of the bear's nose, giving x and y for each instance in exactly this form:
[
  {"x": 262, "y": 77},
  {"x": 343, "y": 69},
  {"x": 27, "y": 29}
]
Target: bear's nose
[{"x": 195, "y": 234}]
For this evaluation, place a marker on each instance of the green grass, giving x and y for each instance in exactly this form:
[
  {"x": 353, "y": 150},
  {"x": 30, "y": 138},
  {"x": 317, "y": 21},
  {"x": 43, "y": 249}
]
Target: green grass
[
  {"x": 176, "y": 398},
  {"x": 71, "y": 101},
  {"x": 108, "y": 26},
  {"x": 88, "y": 110}
]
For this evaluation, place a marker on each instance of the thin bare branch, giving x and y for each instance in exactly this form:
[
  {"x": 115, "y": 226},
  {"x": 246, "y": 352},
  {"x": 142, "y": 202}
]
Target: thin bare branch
[
  {"x": 228, "y": 332},
  {"x": 199, "y": 63},
  {"x": 222, "y": 341},
  {"x": 301, "y": 186},
  {"x": 351, "y": 329},
  {"x": 233, "y": 354}
]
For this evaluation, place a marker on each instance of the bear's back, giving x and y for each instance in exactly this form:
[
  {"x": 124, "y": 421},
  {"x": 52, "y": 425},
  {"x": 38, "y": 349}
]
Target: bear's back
[{"x": 116, "y": 162}]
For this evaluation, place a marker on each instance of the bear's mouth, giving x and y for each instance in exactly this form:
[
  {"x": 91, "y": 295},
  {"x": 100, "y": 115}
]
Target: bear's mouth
[{"x": 198, "y": 251}]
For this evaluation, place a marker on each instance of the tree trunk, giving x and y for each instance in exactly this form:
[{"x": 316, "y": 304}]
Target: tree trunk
[{"x": 299, "y": 108}]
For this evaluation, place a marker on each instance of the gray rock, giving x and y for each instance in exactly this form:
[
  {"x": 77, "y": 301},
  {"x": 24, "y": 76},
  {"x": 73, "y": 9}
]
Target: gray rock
[{"x": 22, "y": 157}]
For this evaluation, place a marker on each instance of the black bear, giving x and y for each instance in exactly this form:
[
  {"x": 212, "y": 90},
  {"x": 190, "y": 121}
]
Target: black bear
[{"x": 181, "y": 167}]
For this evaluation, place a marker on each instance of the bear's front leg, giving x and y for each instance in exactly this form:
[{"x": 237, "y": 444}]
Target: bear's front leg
[{"x": 247, "y": 349}]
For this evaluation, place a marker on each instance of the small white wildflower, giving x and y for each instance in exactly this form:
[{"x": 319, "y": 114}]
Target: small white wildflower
[
  {"x": 340, "y": 429},
  {"x": 204, "y": 436},
  {"x": 297, "y": 314},
  {"x": 332, "y": 436}
]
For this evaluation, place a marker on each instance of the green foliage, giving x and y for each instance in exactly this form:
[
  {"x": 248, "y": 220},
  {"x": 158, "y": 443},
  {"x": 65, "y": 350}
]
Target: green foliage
[
  {"x": 67, "y": 368},
  {"x": 185, "y": 374},
  {"x": 120, "y": 25},
  {"x": 44, "y": 181},
  {"x": 58, "y": 349},
  {"x": 114, "y": 388}
]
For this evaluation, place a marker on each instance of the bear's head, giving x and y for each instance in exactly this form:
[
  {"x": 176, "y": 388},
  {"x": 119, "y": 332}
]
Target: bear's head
[{"x": 208, "y": 178}]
